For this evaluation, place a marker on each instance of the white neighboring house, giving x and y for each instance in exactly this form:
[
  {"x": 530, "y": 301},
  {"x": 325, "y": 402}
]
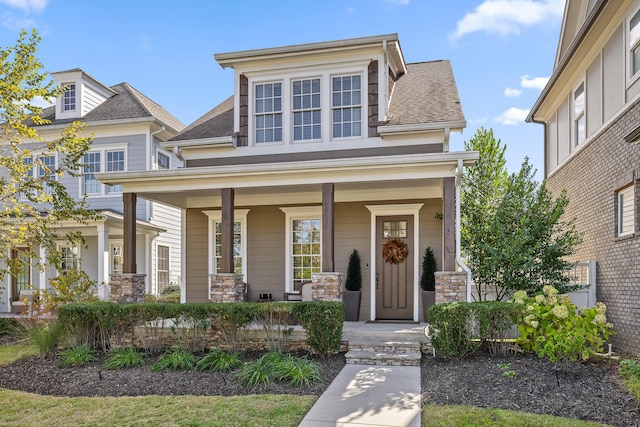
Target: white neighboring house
[{"x": 127, "y": 129}]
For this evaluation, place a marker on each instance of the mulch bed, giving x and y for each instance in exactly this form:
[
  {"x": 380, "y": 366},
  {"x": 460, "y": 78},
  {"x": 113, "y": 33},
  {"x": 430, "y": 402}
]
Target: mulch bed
[{"x": 586, "y": 391}]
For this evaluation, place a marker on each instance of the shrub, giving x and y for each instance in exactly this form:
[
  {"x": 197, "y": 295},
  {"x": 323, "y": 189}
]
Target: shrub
[
  {"x": 298, "y": 371},
  {"x": 261, "y": 371},
  {"x": 219, "y": 360},
  {"x": 177, "y": 358},
  {"x": 76, "y": 356},
  {"x": 123, "y": 357},
  {"x": 275, "y": 318},
  {"x": 230, "y": 318},
  {"x": 323, "y": 322},
  {"x": 46, "y": 335},
  {"x": 551, "y": 326},
  {"x": 354, "y": 273},
  {"x": 73, "y": 286},
  {"x": 630, "y": 373},
  {"x": 429, "y": 268},
  {"x": 9, "y": 327}
]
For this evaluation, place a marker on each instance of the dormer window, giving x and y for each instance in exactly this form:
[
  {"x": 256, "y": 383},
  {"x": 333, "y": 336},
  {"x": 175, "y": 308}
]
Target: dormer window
[
  {"x": 69, "y": 97},
  {"x": 346, "y": 95},
  {"x": 268, "y": 112}
]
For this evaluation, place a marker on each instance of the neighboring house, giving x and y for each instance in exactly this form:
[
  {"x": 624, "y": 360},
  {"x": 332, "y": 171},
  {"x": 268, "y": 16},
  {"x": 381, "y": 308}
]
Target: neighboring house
[
  {"x": 127, "y": 128},
  {"x": 323, "y": 148},
  {"x": 590, "y": 109}
]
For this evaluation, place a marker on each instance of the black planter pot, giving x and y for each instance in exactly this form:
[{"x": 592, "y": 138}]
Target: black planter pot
[
  {"x": 352, "y": 305},
  {"x": 428, "y": 299}
]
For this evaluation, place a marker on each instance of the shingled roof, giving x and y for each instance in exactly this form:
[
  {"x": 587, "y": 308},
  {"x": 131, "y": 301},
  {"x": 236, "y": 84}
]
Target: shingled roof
[
  {"x": 427, "y": 93},
  {"x": 128, "y": 103}
]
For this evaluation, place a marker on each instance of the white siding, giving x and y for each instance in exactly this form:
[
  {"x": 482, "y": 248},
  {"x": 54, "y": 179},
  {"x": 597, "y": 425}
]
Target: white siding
[
  {"x": 552, "y": 144},
  {"x": 170, "y": 219},
  {"x": 564, "y": 134},
  {"x": 613, "y": 74},
  {"x": 594, "y": 96},
  {"x": 90, "y": 99}
]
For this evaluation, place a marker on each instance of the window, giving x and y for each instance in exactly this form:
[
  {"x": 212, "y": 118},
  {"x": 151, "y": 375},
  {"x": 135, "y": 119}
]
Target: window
[
  {"x": 70, "y": 259},
  {"x": 303, "y": 247},
  {"x": 47, "y": 172},
  {"x": 347, "y": 106},
  {"x": 579, "y": 118},
  {"x": 626, "y": 211},
  {"x": 91, "y": 167},
  {"x": 162, "y": 267},
  {"x": 634, "y": 43},
  {"x": 239, "y": 241},
  {"x": 117, "y": 258},
  {"x": 163, "y": 161},
  {"x": 115, "y": 163},
  {"x": 69, "y": 97},
  {"x": 268, "y": 112},
  {"x": 306, "y": 109},
  {"x": 394, "y": 229}
]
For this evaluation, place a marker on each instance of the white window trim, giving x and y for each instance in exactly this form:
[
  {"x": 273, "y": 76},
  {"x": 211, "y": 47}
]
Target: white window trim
[
  {"x": 76, "y": 98},
  {"x": 60, "y": 245},
  {"x": 166, "y": 245},
  {"x": 239, "y": 215},
  {"x": 160, "y": 151},
  {"x": 103, "y": 169},
  {"x": 252, "y": 113},
  {"x": 632, "y": 78},
  {"x": 363, "y": 106},
  {"x": 325, "y": 75},
  {"x": 291, "y": 214},
  {"x": 628, "y": 191},
  {"x": 575, "y": 118},
  {"x": 292, "y": 111},
  {"x": 113, "y": 243}
]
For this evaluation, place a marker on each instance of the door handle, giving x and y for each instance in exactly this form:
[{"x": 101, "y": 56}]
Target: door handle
[{"x": 377, "y": 280}]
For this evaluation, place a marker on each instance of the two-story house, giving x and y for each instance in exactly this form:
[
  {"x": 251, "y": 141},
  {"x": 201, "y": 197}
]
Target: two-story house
[
  {"x": 127, "y": 129},
  {"x": 323, "y": 148},
  {"x": 590, "y": 110}
]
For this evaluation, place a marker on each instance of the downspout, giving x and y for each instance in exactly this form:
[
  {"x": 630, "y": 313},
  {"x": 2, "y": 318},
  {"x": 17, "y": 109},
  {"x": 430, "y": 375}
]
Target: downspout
[{"x": 459, "y": 261}]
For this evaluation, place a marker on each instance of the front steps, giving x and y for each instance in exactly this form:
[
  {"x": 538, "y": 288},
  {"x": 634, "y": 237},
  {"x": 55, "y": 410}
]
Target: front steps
[{"x": 373, "y": 351}]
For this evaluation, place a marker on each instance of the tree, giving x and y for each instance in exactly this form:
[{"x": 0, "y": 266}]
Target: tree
[
  {"x": 354, "y": 273},
  {"x": 512, "y": 231},
  {"x": 34, "y": 203},
  {"x": 429, "y": 268}
]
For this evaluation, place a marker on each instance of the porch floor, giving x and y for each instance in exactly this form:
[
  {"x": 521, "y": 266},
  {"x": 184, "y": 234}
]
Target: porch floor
[{"x": 382, "y": 331}]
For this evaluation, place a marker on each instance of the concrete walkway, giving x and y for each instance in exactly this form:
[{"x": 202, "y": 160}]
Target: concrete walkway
[{"x": 369, "y": 395}]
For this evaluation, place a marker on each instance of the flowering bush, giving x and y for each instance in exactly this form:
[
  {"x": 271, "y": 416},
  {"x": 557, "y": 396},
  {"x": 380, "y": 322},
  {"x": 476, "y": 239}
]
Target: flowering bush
[{"x": 551, "y": 326}]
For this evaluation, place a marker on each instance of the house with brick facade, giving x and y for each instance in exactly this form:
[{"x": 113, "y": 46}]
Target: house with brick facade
[
  {"x": 323, "y": 148},
  {"x": 590, "y": 110},
  {"x": 127, "y": 129}
]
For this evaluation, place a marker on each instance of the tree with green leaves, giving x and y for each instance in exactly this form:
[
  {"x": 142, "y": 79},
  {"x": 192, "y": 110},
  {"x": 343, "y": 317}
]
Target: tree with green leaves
[
  {"x": 429, "y": 268},
  {"x": 34, "y": 202},
  {"x": 354, "y": 273},
  {"x": 513, "y": 234}
]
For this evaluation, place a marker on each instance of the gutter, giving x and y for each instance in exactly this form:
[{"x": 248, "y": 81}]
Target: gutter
[{"x": 420, "y": 127}]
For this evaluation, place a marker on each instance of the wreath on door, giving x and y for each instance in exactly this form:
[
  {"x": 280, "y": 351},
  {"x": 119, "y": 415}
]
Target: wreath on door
[{"x": 395, "y": 251}]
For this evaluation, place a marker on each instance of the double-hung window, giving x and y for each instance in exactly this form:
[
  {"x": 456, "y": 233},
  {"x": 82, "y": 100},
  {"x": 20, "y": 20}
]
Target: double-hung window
[
  {"x": 626, "y": 211},
  {"x": 239, "y": 241},
  {"x": 162, "y": 161},
  {"x": 303, "y": 245},
  {"x": 115, "y": 163},
  {"x": 70, "y": 258},
  {"x": 69, "y": 97},
  {"x": 268, "y": 112},
  {"x": 346, "y": 103},
  {"x": 162, "y": 267},
  {"x": 579, "y": 117},
  {"x": 91, "y": 167},
  {"x": 307, "y": 122},
  {"x": 47, "y": 172},
  {"x": 634, "y": 43}
]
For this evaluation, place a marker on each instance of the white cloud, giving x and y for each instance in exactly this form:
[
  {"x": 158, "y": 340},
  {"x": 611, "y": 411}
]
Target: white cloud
[
  {"x": 478, "y": 121},
  {"x": 16, "y": 24},
  {"x": 512, "y": 116},
  {"x": 512, "y": 93},
  {"x": 27, "y": 5},
  {"x": 533, "y": 83},
  {"x": 505, "y": 17}
]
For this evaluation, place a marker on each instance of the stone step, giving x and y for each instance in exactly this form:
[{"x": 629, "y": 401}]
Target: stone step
[
  {"x": 385, "y": 346},
  {"x": 364, "y": 357}
]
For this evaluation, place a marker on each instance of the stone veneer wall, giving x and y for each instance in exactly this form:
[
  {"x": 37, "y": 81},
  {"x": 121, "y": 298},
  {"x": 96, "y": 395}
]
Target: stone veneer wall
[
  {"x": 127, "y": 287},
  {"x": 451, "y": 286},
  {"x": 326, "y": 287},
  {"x": 226, "y": 287},
  {"x": 591, "y": 178}
]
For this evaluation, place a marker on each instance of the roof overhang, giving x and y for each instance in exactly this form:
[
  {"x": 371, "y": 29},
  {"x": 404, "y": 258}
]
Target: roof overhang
[
  {"x": 421, "y": 127},
  {"x": 223, "y": 141},
  {"x": 114, "y": 122}
]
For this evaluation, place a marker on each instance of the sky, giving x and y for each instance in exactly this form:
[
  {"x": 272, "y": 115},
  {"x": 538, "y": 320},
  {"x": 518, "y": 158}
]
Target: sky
[{"x": 502, "y": 51}]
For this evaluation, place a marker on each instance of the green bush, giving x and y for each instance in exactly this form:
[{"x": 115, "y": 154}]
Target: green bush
[
  {"x": 261, "y": 371},
  {"x": 177, "y": 358},
  {"x": 429, "y": 268},
  {"x": 298, "y": 371},
  {"x": 551, "y": 326},
  {"x": 354, "y": 273},
  {"x": 73, "y": 286},
  {"x": 46, "y": 335},
  {"x": 76, "y": 356},
  {"x": 323, "y": 322},
  {"x": 123, "y": 357},
  {"x": 275, "y": 318},
  {"x": 9, "y": 327},
  {"x": 630, "y": 373},
  {"x": 459, "y": 329},
  {"x": 219, "y": 360},
  {"x": 230, "y": 318}
]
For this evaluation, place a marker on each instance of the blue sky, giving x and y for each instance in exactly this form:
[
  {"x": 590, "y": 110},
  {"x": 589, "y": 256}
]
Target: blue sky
[{"x": 502, "y": 51}]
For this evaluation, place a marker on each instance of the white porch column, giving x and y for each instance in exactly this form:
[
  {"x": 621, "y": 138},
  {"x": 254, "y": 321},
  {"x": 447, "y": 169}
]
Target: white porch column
[
  {"x": 103, "y": 262},
  {"x": 43, "y": 273}
]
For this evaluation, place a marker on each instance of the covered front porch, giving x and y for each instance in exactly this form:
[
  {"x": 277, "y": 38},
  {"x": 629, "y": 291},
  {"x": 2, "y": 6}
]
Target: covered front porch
[{"x": 279, "y": 226}]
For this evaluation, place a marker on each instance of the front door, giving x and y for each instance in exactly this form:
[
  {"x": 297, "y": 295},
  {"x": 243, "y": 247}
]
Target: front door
[
  {"x": 394, "y": 267},
  {"x": 22, "y": 280}
]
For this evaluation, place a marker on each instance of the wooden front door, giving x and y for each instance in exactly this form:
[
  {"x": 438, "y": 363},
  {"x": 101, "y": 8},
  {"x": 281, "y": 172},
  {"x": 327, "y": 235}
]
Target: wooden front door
[
  {"x": 394, "y": 282},
  {"x": 22, "y": 280}
]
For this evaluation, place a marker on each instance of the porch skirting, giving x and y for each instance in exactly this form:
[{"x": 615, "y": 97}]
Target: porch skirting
[
  {"x": 451, "y": 286},
  {"x": 226, "y": 287},
  {"x": 326, "y": 287},
  {"x": 127, "y": 287}
]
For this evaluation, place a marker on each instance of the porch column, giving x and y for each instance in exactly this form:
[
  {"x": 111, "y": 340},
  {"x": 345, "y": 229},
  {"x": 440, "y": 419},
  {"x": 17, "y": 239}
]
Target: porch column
[
  {"x": 449, "y": 214},
  {"x": 327, "y": 229},
  {"x": 129, "y": 238},
  {"x": 103, "y": 261},
  {"x": 42, "y": 252},
  {"x": 226, "y": 240}
]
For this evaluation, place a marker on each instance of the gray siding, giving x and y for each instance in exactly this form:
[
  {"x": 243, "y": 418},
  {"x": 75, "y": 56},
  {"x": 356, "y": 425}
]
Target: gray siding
[
  {"x": 170, "y": 219},
  {"x": 197, "y": 268}
]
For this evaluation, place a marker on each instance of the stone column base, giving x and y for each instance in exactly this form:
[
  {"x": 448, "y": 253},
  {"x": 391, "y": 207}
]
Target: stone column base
[
  {"x": 226, "y": 287},
  {"x": 326, "y": 287},
  {"x": 451, "y": 286},
  {"x": 127, "y": 287}
]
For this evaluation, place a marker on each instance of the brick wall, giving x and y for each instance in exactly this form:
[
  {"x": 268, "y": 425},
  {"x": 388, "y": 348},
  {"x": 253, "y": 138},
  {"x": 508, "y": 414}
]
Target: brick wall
[{"x": 591, "y": 179}]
